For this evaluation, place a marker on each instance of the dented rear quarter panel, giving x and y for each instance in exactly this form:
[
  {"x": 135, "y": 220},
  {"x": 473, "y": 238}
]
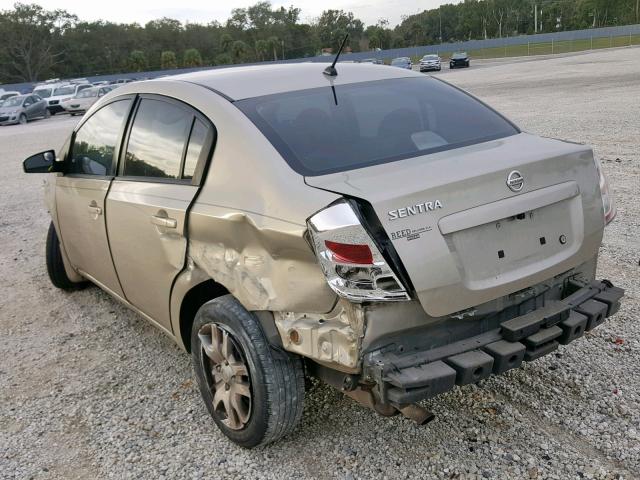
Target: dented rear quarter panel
[{"x": 246, "y": 228}]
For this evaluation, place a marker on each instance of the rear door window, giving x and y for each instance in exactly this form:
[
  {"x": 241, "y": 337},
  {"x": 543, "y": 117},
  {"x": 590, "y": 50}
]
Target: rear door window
[
  {"x": 157, "y": 140},
  {"x": 325, "y": 130},
  {"x": 197, "y": 142}
]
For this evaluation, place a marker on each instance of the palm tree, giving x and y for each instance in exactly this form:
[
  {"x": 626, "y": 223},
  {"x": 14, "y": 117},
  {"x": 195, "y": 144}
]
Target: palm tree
[
  {"x": 262, "y": 47},
  {"x": 239, "y": 49}
]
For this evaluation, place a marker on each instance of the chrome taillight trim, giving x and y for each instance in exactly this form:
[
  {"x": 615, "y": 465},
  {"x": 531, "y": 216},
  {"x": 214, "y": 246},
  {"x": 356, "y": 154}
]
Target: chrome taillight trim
[{"x": 339, "y": 223}]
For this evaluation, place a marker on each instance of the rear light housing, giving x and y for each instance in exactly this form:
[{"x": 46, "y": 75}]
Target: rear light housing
[
  {"x": 351, "y": 262},
  {"x": 608, "y": 203}
]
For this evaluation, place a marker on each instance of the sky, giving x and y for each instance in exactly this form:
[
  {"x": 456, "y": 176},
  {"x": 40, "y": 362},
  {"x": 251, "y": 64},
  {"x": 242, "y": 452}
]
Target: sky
[{"x": 199, "y": 11}]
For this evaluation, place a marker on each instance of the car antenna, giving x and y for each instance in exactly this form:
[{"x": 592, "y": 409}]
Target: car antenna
[{"x": 331, "y": 70}]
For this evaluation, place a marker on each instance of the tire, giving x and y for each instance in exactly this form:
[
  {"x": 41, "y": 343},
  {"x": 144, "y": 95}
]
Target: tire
[
  {"x": 55, "y": 265},
  {"x": 22, "y": 119},
  {"x": 47, "y": 113},
  {"x": 274, "y": 379}
]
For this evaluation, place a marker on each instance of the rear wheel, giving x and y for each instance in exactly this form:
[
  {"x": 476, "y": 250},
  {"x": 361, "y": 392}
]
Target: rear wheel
[
  {"x": 47, "y": 113},
  {"x": 254, "y": 393},
  {"x": 55, "y": 264}
]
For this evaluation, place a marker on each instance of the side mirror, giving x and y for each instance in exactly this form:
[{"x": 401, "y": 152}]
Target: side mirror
[{"x": 40, "y": 162}]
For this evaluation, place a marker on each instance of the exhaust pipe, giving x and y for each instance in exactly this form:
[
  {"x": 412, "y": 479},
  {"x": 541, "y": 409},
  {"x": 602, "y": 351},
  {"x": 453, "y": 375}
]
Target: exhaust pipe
[{"x": 414, "y": 412}]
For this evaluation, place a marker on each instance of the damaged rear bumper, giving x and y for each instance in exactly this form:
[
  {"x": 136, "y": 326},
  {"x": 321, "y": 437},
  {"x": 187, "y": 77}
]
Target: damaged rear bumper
[{"x": 407, "y": 377}]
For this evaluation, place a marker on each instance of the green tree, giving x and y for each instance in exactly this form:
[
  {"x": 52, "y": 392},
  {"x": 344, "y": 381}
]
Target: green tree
[
  {"x": 168, "y": 60},
  {"x": 226, "y": 41},
  {"x": 379, "y": 35},
  {"x": 138, "y": 61},
  {"x": 224, "y": 59},
  {"x": 31, "y": 44},
  {"x": 192, "y": 58},
  {"x": 333, "y": 25},
  {"x": 273, "y": 43},
  {"x": 239, "y": 50},
  {"x": 262, "y": 48}
]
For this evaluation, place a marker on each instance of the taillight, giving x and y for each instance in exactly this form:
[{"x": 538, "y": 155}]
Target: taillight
[
  {"x": 351, "y": 261},
  {"x": 607, "y": 199},
  {"x": 347, "y": 253}
]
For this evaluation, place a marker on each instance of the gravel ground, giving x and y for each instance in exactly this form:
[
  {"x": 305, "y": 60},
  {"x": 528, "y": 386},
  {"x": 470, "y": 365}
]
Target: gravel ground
[{"x": 89, "y": 390}]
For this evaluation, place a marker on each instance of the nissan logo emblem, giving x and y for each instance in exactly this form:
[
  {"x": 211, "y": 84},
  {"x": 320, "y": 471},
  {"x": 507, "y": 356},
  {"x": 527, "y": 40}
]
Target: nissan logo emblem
[{"x": 515, "y": 181}]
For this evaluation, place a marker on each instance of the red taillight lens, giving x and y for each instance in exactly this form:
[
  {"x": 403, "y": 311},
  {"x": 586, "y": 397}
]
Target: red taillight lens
[{"x": 348, "y": 253}]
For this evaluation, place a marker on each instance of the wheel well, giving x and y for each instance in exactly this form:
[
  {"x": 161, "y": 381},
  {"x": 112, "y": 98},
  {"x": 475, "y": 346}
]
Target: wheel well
[{"x": 191, "y": 303}]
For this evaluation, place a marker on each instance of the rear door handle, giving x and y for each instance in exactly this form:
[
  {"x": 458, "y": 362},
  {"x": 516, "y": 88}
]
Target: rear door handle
[
  {"x": 164, "y": 221},
  {"x": 94, "y": 209}
]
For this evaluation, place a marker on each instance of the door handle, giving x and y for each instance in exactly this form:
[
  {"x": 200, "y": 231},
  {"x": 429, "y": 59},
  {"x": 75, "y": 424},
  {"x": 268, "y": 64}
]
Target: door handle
[
  {"x": 164, "y": 221},
  {"x": 94, "y": 209}
]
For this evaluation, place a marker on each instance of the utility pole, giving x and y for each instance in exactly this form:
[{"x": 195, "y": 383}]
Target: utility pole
[
  {"x": 535, "y": 15},
  {"x": 440, "y": 15}
]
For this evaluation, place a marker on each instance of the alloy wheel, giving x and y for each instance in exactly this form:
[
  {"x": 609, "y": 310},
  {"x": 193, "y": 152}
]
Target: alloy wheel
[{"x": 227, "y": 375}]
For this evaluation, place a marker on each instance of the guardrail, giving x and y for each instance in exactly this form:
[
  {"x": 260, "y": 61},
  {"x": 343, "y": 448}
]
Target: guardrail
[{"x": 542, "y": 43}]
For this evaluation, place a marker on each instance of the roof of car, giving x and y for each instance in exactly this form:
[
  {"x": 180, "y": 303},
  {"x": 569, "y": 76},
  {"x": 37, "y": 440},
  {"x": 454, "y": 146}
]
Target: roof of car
[{"x": 238, "y": 83}]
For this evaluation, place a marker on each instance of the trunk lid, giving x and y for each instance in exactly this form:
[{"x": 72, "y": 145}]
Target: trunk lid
[{"x": 463, "y": 235}]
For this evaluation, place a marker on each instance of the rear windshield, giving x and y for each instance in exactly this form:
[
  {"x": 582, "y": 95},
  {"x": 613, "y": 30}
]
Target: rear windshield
[
  {"x": 64, "y": 91},
  {"x": 42, "y": 92},
  {"x": 13, "y": 102},
  {"x": 322, "y": 130},
  {"x": 87, "y": 93}
]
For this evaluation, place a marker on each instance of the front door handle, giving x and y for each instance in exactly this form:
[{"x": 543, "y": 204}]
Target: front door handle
[{"x": 164, "y": 221}]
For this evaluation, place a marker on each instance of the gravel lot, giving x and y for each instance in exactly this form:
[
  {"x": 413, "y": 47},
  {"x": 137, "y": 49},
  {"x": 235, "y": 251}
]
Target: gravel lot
[{"x": 89, "y": 390}]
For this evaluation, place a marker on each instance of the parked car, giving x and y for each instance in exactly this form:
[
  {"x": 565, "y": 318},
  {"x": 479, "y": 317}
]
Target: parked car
[
  {"x": 8, "y": 94},
  {"x": 402, "y": 62},
  {"x": 63, "y": 93},
  {"x": 43, "y": 91},
  {"x": 275, "y": 226},
  {"x": 460, "y": 59},
  {"x": 372, "y": 60},
  {"x": 84, "y": 99},
  {"x": 22, "y": 108},
  {"x": 430, "y": 62},
  {"x": 122, "y": 81}
]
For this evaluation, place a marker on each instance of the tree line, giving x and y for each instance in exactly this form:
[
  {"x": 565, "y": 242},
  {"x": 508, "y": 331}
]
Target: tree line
[{"x": 39, "y": 43}]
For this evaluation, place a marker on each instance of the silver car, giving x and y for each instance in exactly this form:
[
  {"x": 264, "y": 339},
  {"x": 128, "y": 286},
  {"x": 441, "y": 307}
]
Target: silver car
[
  {"x": 6, "y": 95},
  {"x": 83, "y": 100},
  {"x": 373, "y": 227},
  {"x": 430, "y": 62},
  {"x": 22, "y": 108}
]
